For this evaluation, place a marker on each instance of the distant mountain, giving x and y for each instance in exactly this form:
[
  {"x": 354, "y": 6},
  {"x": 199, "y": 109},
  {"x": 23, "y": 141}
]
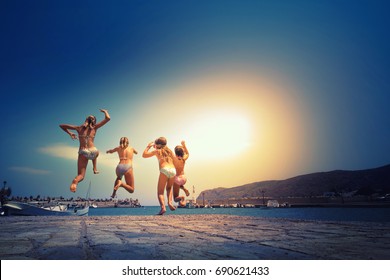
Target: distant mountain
[{"x": 363, "y": 182}]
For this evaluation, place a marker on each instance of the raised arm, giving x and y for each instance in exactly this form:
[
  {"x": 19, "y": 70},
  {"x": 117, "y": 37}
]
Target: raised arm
[
  {"x": 106, "y": 119},
  {"x": 186, "y": 153},
  {"x": 146, "y": 153},
  {"x": 67, "y": 127}
]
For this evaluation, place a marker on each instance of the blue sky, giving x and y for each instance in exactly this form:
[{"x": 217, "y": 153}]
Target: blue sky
[{"x": 258, "y": 89}]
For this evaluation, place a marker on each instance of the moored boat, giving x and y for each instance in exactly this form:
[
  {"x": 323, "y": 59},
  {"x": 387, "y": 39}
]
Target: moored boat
[
  {"x": 16, "y": 208},
  {"x": 273, "y": 203}
]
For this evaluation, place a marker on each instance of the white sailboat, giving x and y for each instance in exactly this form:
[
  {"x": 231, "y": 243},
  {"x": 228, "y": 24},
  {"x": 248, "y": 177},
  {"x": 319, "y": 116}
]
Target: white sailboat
[{"x": 17, "y": 208}]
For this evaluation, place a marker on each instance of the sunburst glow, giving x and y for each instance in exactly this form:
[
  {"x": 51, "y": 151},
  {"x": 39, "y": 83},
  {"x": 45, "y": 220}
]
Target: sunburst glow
[{"x": 219, "y": 135}]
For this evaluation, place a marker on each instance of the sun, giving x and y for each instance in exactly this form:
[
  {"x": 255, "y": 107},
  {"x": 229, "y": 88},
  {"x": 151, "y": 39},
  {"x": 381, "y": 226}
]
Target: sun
[
  {"x": 251, "y": 118},
  {"x": 218, "y": 135}
]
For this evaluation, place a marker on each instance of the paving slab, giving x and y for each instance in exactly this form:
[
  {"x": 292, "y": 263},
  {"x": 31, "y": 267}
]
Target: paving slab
[{"x": 190, "y": 237}]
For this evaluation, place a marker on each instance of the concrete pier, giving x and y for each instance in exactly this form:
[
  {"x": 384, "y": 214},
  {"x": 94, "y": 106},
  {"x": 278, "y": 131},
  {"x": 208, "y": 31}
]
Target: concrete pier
[{"x": 190, "y": 237}]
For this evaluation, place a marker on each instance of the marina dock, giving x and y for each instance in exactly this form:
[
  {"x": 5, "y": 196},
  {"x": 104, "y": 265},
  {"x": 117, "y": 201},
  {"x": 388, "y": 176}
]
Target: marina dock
[{"x": 190, "y": 237}]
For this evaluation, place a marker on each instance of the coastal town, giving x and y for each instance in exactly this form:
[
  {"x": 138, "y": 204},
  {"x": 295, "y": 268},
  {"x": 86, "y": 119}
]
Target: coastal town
[{"x": 325, "y": 200}]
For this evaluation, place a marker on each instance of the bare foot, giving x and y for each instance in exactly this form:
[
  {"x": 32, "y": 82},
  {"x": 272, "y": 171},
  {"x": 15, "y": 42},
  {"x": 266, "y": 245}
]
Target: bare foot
[
  {"x": 162, "y": 212},
  {"x": 173, "y": 208},
  {"x": 182, "y": 203},
  {"x": 185, "y": 190},
  {"x": 178, "y": 199},
  {"x": 96, "y": 172},
  {"x": 73, "y": 186}
]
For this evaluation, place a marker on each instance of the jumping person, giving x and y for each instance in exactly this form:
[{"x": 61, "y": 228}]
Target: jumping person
[
  {"x": 167, "y": 170},
  {"x": 124, "y": 167},
  {"x": 87, "y": 151},
  {"x": 181, "y": 155}
]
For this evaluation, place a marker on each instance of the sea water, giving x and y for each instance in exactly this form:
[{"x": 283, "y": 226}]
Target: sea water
[{"x": 306, "y": 213}]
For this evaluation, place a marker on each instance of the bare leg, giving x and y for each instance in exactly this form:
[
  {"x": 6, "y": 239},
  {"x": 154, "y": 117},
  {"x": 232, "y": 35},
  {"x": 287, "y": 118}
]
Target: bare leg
[
  {"x": 162, "y": 180},
  {"x": 185, "y": 190},
  {"x": 180, "y": 199},
  {"x": 176, "y": 190},
  {"x": 170, "y": 195},
  {"x": 94, "y": 163},
  {"x": 117, "y": 184},
  {"x": 129, "y": 185},
  {"x": 82, "y": 163}
]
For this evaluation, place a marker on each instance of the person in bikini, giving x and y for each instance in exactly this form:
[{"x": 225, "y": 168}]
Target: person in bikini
[
  {"x": 124, "y": 167},
  {"x": 181, "y": 155},
  {"x": 167, "y": 170},
  {"x": 87, "y": 150}
]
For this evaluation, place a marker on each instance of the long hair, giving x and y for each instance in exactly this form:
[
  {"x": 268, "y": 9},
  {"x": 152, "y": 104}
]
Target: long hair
[
  {"x": 90, "y": 121},
  {"x": 124, "y": 142},
  {"x": 163, "y": 150}
]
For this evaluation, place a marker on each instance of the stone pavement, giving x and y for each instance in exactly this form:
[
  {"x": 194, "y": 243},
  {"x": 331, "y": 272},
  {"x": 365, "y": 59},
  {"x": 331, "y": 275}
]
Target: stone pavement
[{"x": 190, "y": 237}]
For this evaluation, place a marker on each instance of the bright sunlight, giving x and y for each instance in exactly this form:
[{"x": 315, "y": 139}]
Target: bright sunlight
[{"x": 219, "y": 135}]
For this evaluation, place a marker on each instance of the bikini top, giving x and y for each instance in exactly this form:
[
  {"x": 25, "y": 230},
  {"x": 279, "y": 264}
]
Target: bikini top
[{"x": 86, "y": 136}]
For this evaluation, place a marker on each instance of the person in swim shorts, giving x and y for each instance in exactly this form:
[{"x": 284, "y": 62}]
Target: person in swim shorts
[
  {"x": 124, "y": 167},
  {"x": 87, "y": 150},
  {"x": 181, "y": 155},
  {"x": 167, "y": 170}
]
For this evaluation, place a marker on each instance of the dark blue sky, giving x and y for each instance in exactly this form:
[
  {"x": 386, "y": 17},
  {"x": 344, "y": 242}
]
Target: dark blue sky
[{"x": 307, "y": 81}]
